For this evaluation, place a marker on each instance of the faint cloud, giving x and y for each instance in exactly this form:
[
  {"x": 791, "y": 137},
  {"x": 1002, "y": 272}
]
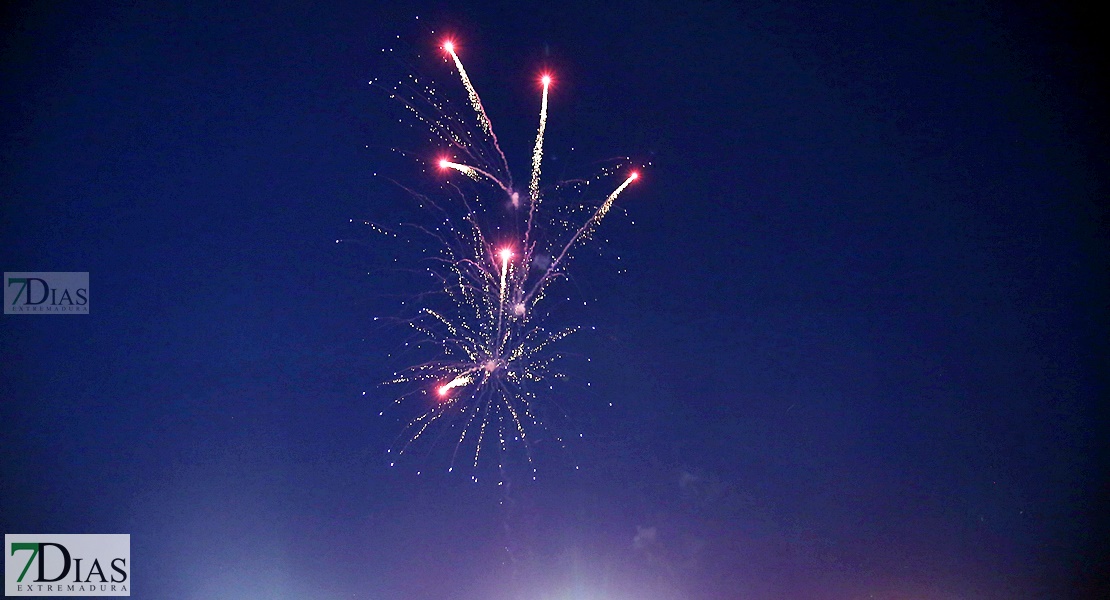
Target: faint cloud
[{"x": 645, "y": 537}]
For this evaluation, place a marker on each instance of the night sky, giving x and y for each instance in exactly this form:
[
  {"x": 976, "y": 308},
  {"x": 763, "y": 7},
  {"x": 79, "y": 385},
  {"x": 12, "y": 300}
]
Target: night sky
[{"x": 854, "y": 341}]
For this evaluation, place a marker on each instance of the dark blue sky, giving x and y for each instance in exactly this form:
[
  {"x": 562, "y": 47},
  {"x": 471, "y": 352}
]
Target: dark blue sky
[{"x": 856, "y": 352}]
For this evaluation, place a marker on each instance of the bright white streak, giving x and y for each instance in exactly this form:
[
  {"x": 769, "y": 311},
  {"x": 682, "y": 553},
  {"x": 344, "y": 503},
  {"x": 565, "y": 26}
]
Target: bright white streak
[{"x": 506, "y": 254}]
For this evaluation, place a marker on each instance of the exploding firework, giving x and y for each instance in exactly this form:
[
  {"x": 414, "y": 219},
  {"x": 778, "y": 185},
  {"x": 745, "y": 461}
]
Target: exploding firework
[{"x": 496, "y": 257}]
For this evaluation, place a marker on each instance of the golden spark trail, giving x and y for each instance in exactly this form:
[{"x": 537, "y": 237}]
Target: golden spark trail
[
  {"x": 459, "y": 381},
  {"x": 583, "y": 232},
  {"x": 537, "y": 158},
  {"x": 602, "y": 210},
  {"x": 473, "y": 173},
  {"x": 470, "y": 172},
  {"x": 476, "y": 102}
]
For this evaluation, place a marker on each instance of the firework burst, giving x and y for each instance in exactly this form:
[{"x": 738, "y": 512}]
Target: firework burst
[{"x": 496, "y": 257}]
